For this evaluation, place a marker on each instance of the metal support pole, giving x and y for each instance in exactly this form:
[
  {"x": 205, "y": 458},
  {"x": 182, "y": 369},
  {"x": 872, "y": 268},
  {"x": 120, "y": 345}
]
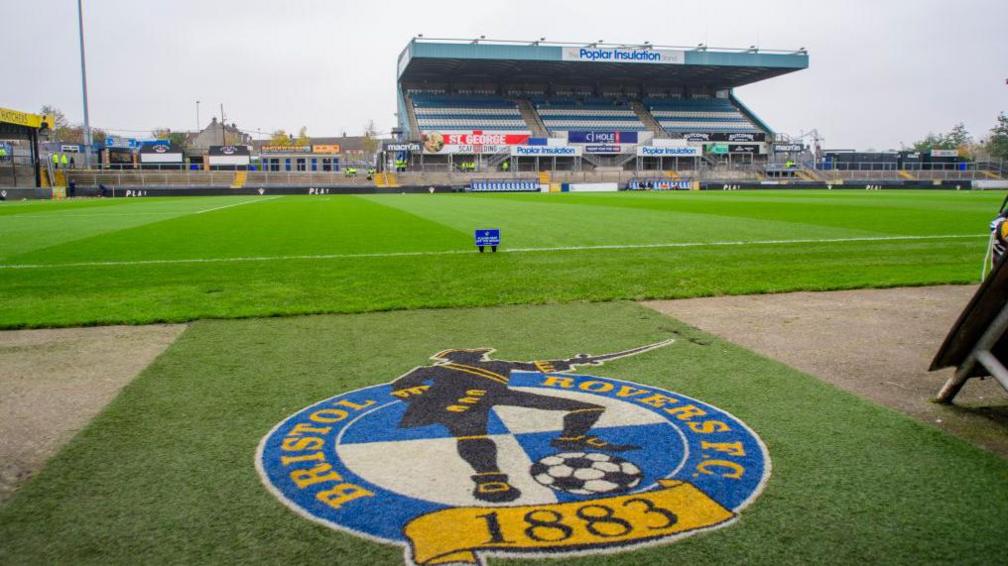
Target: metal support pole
[
  {"x": 994, "y": 366},
  {"x": 981, "y": 353},
  {"x": 87, "y": 121}
]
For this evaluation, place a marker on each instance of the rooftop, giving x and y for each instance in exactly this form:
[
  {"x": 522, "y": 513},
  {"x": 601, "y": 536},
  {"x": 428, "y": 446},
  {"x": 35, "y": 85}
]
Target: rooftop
[{"x": 430, "y": 60}]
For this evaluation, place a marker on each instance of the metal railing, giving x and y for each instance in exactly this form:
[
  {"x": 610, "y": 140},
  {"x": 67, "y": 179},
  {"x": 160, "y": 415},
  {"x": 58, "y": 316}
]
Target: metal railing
[
  {"x": 565, "y": 172},
  {"x": 145, "y": 177}
]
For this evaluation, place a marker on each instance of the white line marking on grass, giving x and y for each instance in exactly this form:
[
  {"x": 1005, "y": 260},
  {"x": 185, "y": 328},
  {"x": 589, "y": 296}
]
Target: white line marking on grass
[
  {"x": 469, "y": 251},
  {"x": 58, "y": 216},
  {"x": 257, "y": 199},
  {"x": 741, "y": 243}
]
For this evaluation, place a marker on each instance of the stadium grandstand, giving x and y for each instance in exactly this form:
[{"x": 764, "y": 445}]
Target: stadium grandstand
[
  {"x": 506, "y": 115},
  {"x": 713, "y": 115},
  {"x": 474, "y": 101}
]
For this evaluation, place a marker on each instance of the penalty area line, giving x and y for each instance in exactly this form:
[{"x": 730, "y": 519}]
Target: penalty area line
[{"x": 667, "y": 245}]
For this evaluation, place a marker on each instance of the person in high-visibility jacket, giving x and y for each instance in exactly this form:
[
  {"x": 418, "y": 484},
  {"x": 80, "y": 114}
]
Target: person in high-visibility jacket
[
  {"x": 3, "y": 152},
  {"x": 55, "y": 160},
  {"x": 64, "y": 161}
]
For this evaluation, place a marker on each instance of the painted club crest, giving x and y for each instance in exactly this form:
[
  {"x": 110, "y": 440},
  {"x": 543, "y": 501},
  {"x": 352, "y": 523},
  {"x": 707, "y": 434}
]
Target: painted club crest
[{"x": 471, "y": 456}]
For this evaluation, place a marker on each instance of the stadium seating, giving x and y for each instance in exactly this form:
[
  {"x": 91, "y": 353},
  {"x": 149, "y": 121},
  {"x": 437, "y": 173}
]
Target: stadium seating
[
  {"x": 505, "y": 186},
  {"x": 588, "y": 113},
  {"x": 466, "y": 112},
  {"x": 708, "y": 115}
]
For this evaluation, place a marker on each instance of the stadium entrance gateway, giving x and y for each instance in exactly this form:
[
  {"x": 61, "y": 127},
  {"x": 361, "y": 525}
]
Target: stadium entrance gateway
[
  {"x": 470, "y": 456},
  {"x": 19, "y": 147}
]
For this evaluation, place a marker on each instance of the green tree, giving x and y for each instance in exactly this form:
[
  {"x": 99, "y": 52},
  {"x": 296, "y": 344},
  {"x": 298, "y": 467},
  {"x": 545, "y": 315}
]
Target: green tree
[
  {"x": 931, "y": 141},
  {"x": 957, "y": 138},
  {"x": 75, "y": 134},
  {"x": 302, "y": 137},
  {"x": 58, "y": 116},
  {"x": 997, "y": 144},
  {"x": 280, "y": 138},
  {"x": 175, "y": 138},
  {"x": 370, "y": 143},
  {"x": 64, "y": 131}
]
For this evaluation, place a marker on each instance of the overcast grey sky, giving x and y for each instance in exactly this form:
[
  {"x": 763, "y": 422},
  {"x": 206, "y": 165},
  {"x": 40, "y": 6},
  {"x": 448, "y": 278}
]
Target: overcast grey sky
[{"x": 880, "y": 72}]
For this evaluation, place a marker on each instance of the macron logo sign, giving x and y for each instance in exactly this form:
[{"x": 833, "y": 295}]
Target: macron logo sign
[{"x": 621, "y": 55}]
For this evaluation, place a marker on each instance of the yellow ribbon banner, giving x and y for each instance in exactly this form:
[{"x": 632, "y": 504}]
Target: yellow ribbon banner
[{"x": 455, "y": 535}]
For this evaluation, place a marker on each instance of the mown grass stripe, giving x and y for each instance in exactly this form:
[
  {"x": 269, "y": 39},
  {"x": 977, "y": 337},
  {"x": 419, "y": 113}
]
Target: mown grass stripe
[
  {"x": 467, "y": 251},
  {"x": 257, "y": 199}
]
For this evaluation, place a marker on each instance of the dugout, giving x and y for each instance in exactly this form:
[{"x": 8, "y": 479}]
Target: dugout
[
  {"x": 161, "y": 156},
  {"x": 19, "y": 137},
  {"x": 229, "y": 157},
  {"x": 118, "y": 158},
  {"x": 944, "y": 160},
  {"x": 858, "y": 160}
]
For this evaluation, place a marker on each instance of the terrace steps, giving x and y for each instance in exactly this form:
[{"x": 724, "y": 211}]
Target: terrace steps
[
  {"x": 807, "y": 175},
  {"x": 647, "y": 119},
  {"x": 531, "y": 117},
  {"x": 411, "y": 116},
  {"x": 386, "y": 180}
]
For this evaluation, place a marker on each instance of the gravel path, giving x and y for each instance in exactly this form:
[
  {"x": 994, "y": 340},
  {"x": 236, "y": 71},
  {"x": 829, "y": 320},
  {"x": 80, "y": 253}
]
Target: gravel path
[
  {"x": 53, "y": 382},
  {"x": 875, "y": 343}
]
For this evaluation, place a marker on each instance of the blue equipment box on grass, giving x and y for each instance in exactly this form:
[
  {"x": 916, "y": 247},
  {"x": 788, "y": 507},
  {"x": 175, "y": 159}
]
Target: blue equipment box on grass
[{"x": 487, "y": 237}]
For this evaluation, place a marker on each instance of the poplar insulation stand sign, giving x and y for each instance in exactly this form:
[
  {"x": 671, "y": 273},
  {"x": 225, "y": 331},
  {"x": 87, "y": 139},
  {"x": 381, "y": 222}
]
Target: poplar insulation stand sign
[{"x": 487, "y": 237}]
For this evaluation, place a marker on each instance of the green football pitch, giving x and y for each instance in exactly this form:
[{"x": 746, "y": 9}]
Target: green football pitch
[
  {"x": 166, "y": 474},
  {"x": 177, "y": 259}
]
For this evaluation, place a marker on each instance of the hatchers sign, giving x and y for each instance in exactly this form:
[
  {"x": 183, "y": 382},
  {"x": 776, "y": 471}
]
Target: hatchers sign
[{"x": 471, "y": 456}]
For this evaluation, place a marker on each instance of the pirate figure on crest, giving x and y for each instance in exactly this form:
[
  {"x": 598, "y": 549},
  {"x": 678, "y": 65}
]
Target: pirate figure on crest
[{"x": 463, "y": 385}]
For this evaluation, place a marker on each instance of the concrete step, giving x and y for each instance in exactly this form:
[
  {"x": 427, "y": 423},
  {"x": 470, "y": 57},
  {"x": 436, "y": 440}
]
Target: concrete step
[
  {"x": 531, "y": 117},
  {"x": 648, "y": 120}
]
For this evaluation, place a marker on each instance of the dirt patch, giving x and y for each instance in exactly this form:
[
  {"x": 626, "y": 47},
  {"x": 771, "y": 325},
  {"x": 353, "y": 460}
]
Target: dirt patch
[
  {"x": 53, "y": 382},
  {"x": 875, "y": 343}
]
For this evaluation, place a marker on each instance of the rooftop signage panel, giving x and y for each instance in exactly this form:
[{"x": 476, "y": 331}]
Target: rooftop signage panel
[
  {"x": 612, "y": 137},
  {"x": 285, "y": 149},
  {"x": 18, "y": 118},
  {"x": 624, "y": 55},
  {"x": 545, "y": 151},
  {"x": 669, "y": 151},
  {"x": 326, "y": 148}
]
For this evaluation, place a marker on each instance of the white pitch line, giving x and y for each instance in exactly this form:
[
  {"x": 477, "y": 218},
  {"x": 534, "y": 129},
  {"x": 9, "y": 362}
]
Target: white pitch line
[
  {"x": 469, "y": 251},
  {"x": 58, "y": 216},
  {"x": 257, "y": 199}
]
